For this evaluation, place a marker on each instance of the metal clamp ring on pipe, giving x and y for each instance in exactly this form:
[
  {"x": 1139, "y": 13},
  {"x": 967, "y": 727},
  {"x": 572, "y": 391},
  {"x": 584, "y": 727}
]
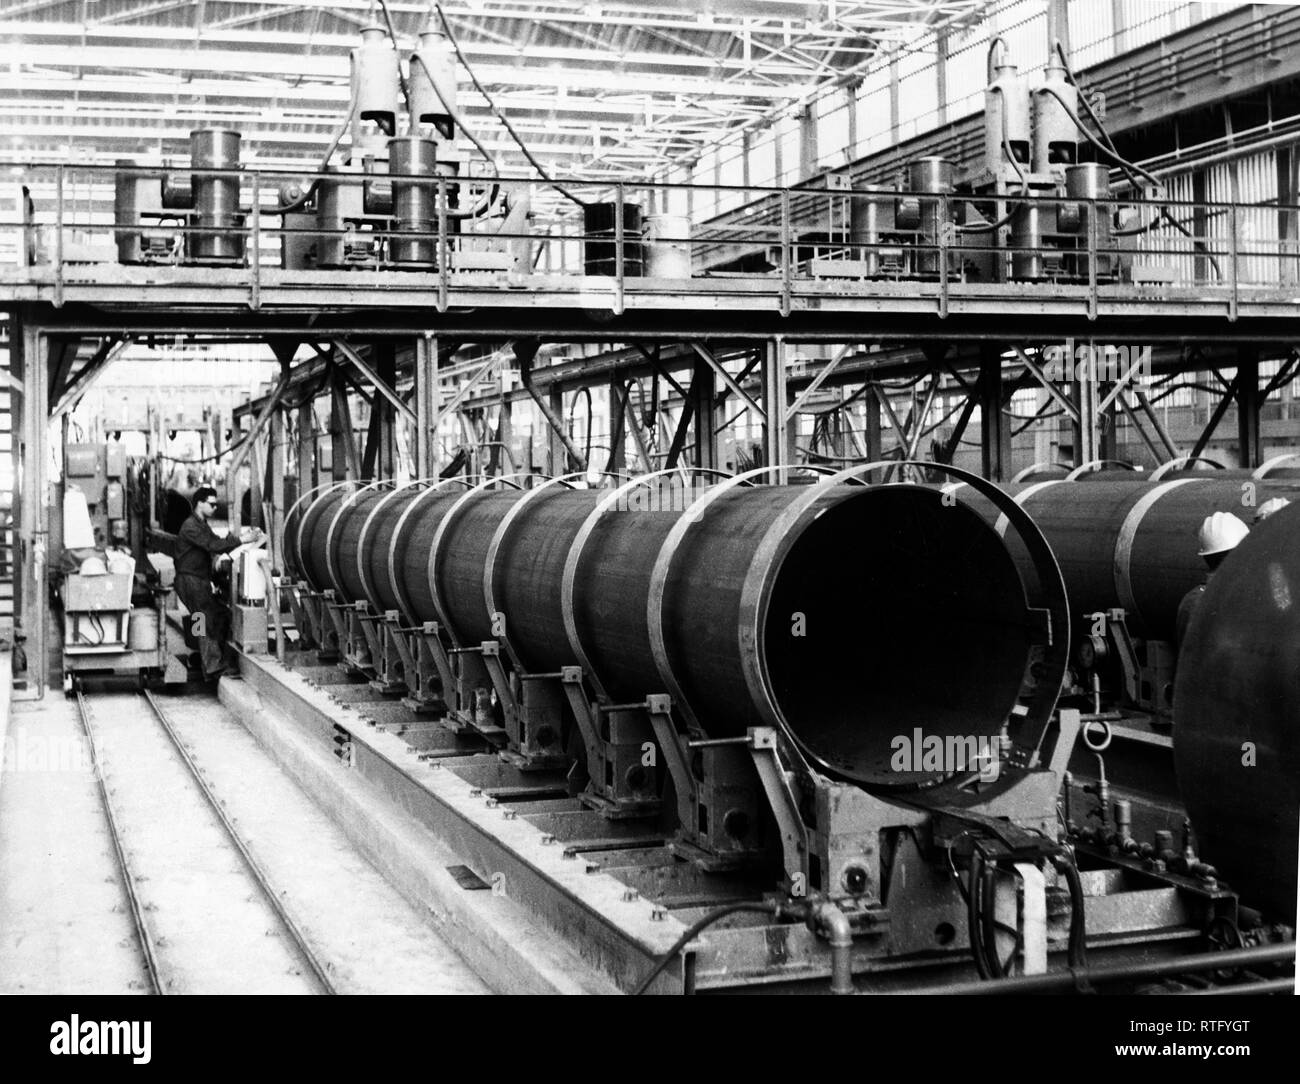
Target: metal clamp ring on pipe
[
  {"x": 1123, "y": 558},
  {"x": 1001, "y": 524},
  {"x": 1159, "y": 473},
  {"x": 1093, "y": 466},
  {"x": 498, "y": 538},
  {"x": 441, "y": 532},
  {"x": 331, "y": 554},
  {"x": 1035, "y": 468},
  {"x": 569, "y": 578},
  {"x": 399, "y": 582},
  {"x": 363, "y": 565},
  {"x": 779, "y": 537},
  {"x": 663, "y": 565},
  {"x": 1269, "y": 465},
  {"x": 322, "y": 491}
]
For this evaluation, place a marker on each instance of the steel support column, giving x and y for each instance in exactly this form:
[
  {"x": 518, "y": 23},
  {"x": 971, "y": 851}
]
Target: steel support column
[
  {"x": 1087, "y": 426},
  {"x": 306, "y": 446},
  {"x": 343, "y": 450},
  {"x": 426, "y": 405},
  {"x": 995, "y": 427},
  {"x": 778, "y": 436},
  {"x": 384, "y": 356},
  {"x": 30, "y": 365},
  {"x": 703, "y": 391},
  {"x": 1249, "y": 447},
  {"x": 619, "y": 392},
  {"x": 275, "y": 485}
]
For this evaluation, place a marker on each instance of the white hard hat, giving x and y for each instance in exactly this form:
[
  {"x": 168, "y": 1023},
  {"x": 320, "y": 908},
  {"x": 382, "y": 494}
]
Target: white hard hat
[
  {"x": 93, "y": 566},
  {"x": 1269, "y": 507},
  {"x": 1220, "y": 533}
]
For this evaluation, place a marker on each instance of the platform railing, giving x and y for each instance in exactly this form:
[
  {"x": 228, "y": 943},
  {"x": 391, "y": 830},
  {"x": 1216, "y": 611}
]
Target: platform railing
[{"x": 803, "y": 237}]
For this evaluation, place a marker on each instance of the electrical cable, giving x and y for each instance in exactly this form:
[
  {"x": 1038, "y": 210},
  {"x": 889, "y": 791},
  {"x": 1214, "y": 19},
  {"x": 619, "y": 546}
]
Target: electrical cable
[
  {"x": 1130, "y": 169},
  {"x": 695, "y": 929},
  {"x": 451, "y": 37},
  {"x": 988, "y": 227},
  {"x": 974, "y": 923},
  {"x": 207, "y": 458},
  {"x": 456, "y": 116},
  {"x": 392, "y": 36},
  {"x": 489, "y": 198},
  {"x": 293, "y": 205},
  {"x": 994, "y": 42}
]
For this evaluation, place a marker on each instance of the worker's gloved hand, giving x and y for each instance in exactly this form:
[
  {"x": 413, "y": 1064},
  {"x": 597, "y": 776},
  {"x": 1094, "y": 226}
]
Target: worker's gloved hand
[{"x": 251, "y": 536}]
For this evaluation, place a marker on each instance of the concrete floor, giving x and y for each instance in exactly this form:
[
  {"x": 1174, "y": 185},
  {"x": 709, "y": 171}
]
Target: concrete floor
[{"x": 64, "y": 927}]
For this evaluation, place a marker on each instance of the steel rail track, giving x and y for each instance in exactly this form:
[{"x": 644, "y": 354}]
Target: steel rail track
[{"x": 144, "y": 935}]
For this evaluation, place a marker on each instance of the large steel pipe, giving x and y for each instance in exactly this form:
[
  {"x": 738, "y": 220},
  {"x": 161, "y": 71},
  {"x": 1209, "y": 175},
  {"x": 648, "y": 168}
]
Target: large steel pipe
[
  {"x": 1133, "y": 544},
  {"x": 216, "y": 198},
  {"x": 1237, "y": 736},
  {"x": 304, "y": 533},
  {"x": 849, "y": 615},
  {"x": 835, "y": 612},
  {"x": 407, "y": 563},
  {"x": 375, "y": 541},
  {"x": 343, "y": 537}
]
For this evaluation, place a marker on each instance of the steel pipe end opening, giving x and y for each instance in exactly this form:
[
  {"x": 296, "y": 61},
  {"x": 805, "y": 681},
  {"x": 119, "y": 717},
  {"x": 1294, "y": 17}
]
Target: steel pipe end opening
[{"x": 894, "y": 636}]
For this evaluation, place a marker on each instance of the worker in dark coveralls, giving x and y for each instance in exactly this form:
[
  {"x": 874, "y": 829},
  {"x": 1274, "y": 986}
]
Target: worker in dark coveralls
[{"x": 196, "y": 546}]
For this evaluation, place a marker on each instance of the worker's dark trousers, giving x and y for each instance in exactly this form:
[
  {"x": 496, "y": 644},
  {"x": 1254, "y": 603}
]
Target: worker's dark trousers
[{"x": 212, "y": 632}]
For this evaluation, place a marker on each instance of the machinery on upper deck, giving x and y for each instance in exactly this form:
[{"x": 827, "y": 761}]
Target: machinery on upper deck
[{"x": 404, "y": 197}]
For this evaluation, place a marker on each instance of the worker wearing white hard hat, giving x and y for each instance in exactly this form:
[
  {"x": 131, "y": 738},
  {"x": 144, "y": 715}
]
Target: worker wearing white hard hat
[
  {"x": 1269, "y": 507},
  {"x": 1219, "y": 535}
]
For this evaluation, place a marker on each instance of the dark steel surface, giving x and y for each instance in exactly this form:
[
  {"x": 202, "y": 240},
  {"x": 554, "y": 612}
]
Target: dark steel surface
[
  {"x": 1239, "y": 681},
  {"x": 410, "y": 552},
  {"x": 887, "y": 609},
  {"x": 609, "y": 599},
  {"x": 310, "y": 539},
  {"x": 374, "y": 543},
  {"x": 347, "y": 535},
  {"x": 1083, "y": 524},
  {"x": 461, "y": 560},
  {"x": 529, "y": 568}
]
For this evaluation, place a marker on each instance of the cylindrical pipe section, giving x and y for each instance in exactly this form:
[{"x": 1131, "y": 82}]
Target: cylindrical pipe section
[
  {"x": 376, "y": 91},
  {"x": 668, "y": 246},
  {"x": 1027, "y": 255},
  {"x": 1132, "y": 544},
  {"x": 528, "y": 572},
  {"x": 414, "y": 201},
  {"x": 374, "y": 546},
  {"x": 930, "y": 175},
  {"x": 1237, "y": 716},
  {"x": 1006, "y": 120},
  {"x": 343, "y": 541},
  {"x": 599, "y": 223},
  {"x": 216, "y": 199},
  {"x": 433, "y": 86},
  {"x": 408, "y": 552},
  {"x": 1083, "y": 182},
  {"x": 340, "y": 208},
  {"x": 137, "y": 199},
  {"x": 835, "y": 624},
  {"x": 307, "y": 543},
  {"x": 817, "y": 612},
  {"x": 871, "y": 216},
  {"x": 1056, "y": 136}
]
